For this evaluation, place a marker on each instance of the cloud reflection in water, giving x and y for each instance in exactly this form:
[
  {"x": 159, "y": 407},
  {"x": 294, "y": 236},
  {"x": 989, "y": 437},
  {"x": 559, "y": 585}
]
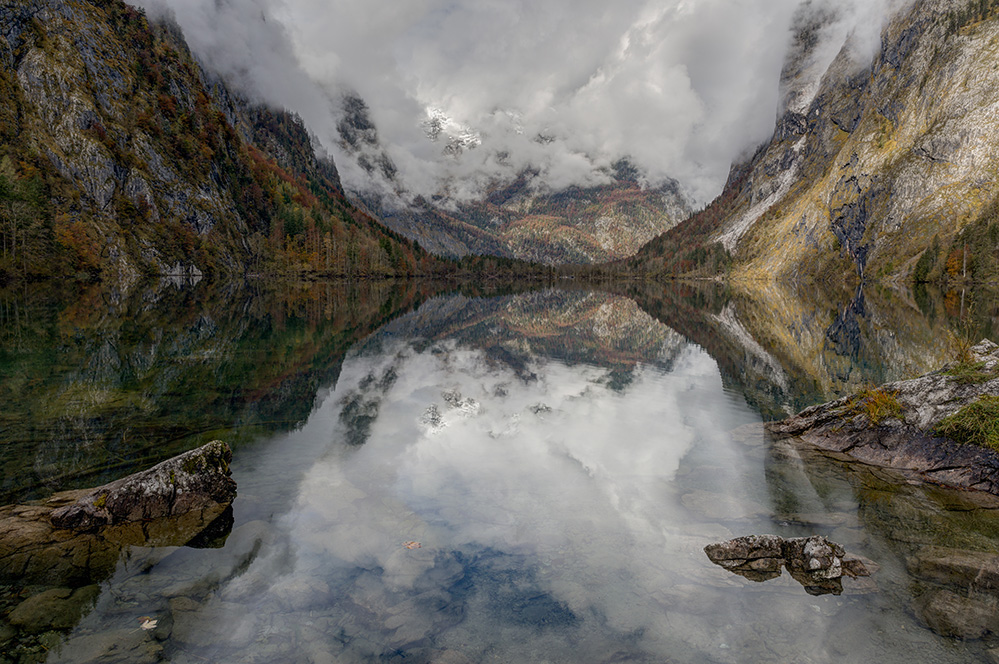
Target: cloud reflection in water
[{"x": 567, "y": 477}]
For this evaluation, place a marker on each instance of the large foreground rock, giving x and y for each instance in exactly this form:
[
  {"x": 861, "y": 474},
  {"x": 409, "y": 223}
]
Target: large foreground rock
[
  {"x": 959, "y": 569},
  {"x": 76, "y": 537},
  {"x": 195, "y": 481},
  {"x": 907, "y": 443},
  {"x": 961, "y": 596},
  {"x": 950, "y": 614}
]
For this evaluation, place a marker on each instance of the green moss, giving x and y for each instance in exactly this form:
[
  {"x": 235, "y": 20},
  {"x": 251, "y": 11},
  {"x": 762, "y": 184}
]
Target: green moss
[
  {"x": 975, "y": 424},
  {"x": 970, "y": 373},
  {"x": 101, "y": 500},
  {"x": 877, "y": 404}
]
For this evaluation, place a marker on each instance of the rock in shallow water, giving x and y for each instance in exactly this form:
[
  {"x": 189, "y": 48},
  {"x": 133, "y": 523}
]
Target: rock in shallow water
[
  {"x": 960, "y": 569},
  {"x": 950, "y": 614},
  {"x": 895, "y": 426},
  {"x": 34, "y": 549},
  {"x": 58, "y": 608},
  {"x": 194, "y": 481},
  {"x": 815, "y": 562}
]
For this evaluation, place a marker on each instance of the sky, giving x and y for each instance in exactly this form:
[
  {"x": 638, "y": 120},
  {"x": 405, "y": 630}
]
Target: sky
[{"x": 563, "y": 88}]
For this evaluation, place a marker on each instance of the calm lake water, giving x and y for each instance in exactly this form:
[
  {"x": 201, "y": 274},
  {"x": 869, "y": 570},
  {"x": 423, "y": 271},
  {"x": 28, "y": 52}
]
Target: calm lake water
[{"x": 428, "y": 477}]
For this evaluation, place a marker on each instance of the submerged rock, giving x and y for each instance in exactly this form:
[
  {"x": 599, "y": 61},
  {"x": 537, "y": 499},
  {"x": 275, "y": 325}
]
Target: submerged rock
[
  {"x": 191, "y": 482},
  {"x": 814, "y": 562},
  {"x": 974, "y": 571},
  {"x": 895, "y": 426},
  {"x": 58, "y": 608},
  {"x": 950, "y": 614},
  {"x": 962, "y": 591}
]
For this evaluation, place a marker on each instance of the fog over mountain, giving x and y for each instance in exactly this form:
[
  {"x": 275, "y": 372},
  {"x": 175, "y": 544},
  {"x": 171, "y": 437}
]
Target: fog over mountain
[{"x": 679, "y": 87}]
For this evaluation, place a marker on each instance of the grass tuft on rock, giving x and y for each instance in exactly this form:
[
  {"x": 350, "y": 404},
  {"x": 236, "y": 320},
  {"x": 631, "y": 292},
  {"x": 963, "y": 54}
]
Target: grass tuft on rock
[
  {"x": 877, "y": 404},
  {"x": 970, "y": 373},
  {"x": 975, "y": 424}
]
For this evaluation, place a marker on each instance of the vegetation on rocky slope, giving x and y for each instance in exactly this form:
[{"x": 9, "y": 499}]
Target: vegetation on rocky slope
[
  {"x": 975, "y": 424},
  {"x": 120, "y": 155},
  {"x": 878, "y": 170}
]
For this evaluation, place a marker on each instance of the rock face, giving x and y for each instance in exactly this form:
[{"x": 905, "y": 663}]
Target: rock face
[
  {"x": 196, "y": 481},
  {"x": 881, "y": 153},
  {"x": 904, "y": 440},
  {"x": 814, "y": 562},
  {"x": 873, "y": 157}
]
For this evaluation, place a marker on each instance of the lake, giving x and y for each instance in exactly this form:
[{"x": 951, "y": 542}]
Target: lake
[{"x": 434, "y": 476}]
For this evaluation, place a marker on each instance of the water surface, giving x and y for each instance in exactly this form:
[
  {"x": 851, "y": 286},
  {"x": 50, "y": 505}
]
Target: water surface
[{"x": 529, "y": 478}]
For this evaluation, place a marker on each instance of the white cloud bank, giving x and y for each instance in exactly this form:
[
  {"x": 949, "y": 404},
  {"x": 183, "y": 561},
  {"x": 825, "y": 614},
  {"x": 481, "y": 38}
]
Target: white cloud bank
[{"x": 681, "y": 87}]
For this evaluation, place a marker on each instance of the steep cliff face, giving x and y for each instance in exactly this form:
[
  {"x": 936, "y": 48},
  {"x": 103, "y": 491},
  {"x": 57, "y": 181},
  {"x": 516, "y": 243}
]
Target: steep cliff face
[
  {"x": 872, "y": 159},
  {"x": 884, "y": 157},
  {"x": 119, "y": 154}
]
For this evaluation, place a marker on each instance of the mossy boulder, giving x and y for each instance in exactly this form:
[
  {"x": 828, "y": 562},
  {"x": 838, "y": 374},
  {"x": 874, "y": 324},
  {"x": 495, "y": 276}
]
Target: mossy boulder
[{"x": 939, "y": 427}]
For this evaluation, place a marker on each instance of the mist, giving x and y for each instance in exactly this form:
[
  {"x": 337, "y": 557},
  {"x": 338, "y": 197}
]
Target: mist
[{"x": 465, "y": 95}]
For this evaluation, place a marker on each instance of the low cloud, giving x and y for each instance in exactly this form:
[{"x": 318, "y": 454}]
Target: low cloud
[{"x": 564, "y": 87}]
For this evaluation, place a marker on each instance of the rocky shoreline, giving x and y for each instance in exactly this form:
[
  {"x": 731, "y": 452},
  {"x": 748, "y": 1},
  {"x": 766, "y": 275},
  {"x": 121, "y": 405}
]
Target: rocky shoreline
[
  {"x": 937, "y": 429},
  {"x": 902, "y": 425}
]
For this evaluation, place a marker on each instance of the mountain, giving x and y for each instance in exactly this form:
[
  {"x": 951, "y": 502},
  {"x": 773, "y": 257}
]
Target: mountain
[
  {"x": 879, "y": 168},
  {"x": 121, "y": 156},
  {"x": 520, "y": 218}
]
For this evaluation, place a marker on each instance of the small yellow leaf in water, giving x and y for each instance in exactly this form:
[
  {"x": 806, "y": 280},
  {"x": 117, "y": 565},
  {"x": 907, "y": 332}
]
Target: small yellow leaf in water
[
  {"x": 149, "y": 624},
  {"x": 412, "y": 545}
]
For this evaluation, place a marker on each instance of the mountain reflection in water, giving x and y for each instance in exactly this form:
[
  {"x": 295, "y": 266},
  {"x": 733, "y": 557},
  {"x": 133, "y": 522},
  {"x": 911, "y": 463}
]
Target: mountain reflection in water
[{"x": 533, "y": 478}]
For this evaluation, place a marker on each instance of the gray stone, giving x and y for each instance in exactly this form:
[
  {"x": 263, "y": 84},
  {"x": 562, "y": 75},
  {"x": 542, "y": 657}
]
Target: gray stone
[
  {"x": 815, "y": 556},
  {"x": 194, "y": 481},
  {"x": 815, "y": 562},
  {"x": 743, "y": 549}
]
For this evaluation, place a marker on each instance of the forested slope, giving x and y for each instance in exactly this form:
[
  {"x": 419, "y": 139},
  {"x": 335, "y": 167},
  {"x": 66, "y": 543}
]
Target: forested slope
[{"x": 120, "y": 156}]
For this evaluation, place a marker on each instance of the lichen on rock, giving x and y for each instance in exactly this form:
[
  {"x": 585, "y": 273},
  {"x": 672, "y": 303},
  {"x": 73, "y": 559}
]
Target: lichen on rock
[{"x": 199, "y": 480}]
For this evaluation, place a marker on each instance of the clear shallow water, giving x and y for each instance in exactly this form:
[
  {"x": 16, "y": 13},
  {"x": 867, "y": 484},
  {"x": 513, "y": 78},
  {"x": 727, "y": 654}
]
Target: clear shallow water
[{"x": 530, "y": 479}]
